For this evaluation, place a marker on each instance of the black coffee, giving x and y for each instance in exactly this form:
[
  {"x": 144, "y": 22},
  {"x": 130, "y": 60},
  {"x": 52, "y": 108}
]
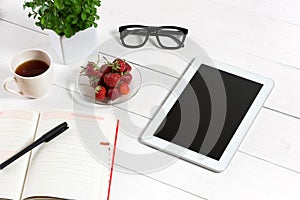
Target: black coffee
[{"x": 32, "y": 68}]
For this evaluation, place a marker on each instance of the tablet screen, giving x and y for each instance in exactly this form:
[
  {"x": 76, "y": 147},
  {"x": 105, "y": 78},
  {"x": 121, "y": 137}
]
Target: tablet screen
[{"x": 179, "y": 125}]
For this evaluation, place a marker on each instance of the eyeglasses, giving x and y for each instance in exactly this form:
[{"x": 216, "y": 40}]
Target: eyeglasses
[{"x": 168, "y": 37}]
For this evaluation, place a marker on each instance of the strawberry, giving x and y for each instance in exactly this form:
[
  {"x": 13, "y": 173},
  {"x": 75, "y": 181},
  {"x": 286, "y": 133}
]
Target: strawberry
[
  {"x": 127, "y": 67},
  {"x": 91, "y": 69},
  {"x": 100, "y": 93},
  {"x": 101, "y": 80},
  {"x": 105, "y": 69},
  {"x": 126, "y": 78},
  {"x": 124, "y": 88},
  {"x": 119, "y": 65},
  {"x": 112, "y": 79},
  {"x": 113, "y": 93}
]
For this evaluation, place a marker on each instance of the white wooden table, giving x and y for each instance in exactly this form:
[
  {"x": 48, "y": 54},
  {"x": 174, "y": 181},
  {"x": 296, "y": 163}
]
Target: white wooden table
[{"x": 259, "y": 36}]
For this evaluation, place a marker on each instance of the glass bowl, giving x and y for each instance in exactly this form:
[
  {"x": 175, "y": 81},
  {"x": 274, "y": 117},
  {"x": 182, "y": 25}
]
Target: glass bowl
[{"x": 87, "y": 85}]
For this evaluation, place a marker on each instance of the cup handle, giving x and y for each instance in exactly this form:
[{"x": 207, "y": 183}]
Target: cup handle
[{"x": 8, "y": 89}]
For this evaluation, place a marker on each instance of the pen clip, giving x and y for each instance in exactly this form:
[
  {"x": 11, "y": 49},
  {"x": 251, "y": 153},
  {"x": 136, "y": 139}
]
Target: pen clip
[{"x": 62, "y": 129}]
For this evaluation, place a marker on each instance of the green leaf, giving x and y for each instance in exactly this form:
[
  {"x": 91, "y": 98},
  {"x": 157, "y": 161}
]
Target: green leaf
[
  {"x": 67, "y": 32},
  {"x": 77, "y": 9},
  {"x": 97, "y": 3},
  {"x": 59, "y": 4},
  {"x": 83, "y": 16}
]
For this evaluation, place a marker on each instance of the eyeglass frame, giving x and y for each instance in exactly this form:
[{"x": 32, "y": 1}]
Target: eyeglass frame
[{"x": 153, "y": 31}]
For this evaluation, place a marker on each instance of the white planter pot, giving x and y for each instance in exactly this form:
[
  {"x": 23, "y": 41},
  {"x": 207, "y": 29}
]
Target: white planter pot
[{"x": 75, "y": 48}]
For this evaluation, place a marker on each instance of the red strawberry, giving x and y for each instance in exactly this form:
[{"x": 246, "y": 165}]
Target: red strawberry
[
  {"x": 100, "y": 93},
  {"x": 101, "y": 80},
  {"x": 127, "y": 67},
  {"x": 91, "y": 69},
  {"x": 111, "y": 80},
  {"x": 119, "y": 65},
  {"x": 126, "y": 78},
  {"x": 105, "y": 69},
  {"x": 113, "y": 93},
  {"x": 124, "y": 88}
]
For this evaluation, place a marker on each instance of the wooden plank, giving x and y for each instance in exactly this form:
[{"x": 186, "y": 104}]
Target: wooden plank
[
  {"x": 15, "y": 38},
  {"x": 273, "y": 137},
  {"x": 247, "y": 177},
  {"x": 136, "y": 186},
  {"x": 286, "y": 11}
]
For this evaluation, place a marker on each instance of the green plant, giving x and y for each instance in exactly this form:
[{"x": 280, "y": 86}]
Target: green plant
[{"x": 65, "y": 17}]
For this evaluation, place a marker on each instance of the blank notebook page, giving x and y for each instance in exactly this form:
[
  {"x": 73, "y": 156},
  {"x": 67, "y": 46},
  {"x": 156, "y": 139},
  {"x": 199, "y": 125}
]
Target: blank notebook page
[
  {"x": 17, "y": 130},
  {"x": 63, "y": 168}
]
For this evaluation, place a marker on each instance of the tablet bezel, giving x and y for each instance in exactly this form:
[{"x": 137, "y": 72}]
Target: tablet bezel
[{"x": 149, "y": 139}]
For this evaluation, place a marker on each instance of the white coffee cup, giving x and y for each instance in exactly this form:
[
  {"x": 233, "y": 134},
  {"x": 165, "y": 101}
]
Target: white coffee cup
[{"x": 32, "y": 86}]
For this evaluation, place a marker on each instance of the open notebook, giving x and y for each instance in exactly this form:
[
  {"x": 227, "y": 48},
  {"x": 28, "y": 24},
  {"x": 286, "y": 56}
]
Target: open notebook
[{"x": 61, "y": 168}]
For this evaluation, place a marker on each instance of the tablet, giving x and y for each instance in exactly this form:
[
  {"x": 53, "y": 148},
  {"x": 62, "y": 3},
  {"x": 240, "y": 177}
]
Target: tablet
[{"x": 208, "y": 113}]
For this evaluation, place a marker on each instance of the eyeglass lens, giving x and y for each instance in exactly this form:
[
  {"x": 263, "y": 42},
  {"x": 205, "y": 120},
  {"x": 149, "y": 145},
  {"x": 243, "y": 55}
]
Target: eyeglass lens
[
  {"x": 135, "y": 36},
  {"x": 170, "y": 37}
]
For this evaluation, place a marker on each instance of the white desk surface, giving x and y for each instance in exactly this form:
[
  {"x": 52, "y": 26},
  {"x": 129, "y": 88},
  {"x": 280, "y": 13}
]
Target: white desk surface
[{"x": 259, "y": 36}]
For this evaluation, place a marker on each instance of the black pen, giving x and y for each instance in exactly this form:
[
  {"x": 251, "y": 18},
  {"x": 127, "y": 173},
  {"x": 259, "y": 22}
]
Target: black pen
[{"x": 45, "y": 138}]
